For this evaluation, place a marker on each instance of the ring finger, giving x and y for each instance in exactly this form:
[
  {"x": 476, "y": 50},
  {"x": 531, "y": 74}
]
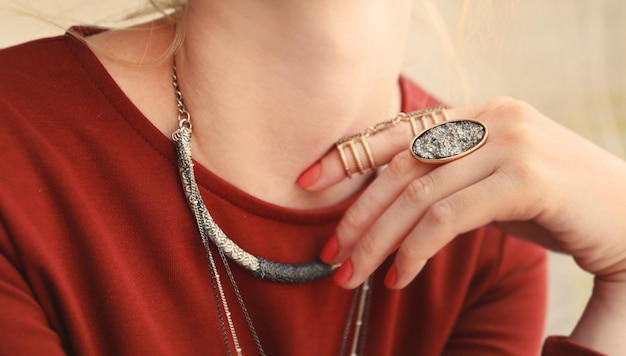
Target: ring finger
[{"x": 366, "y": 250}]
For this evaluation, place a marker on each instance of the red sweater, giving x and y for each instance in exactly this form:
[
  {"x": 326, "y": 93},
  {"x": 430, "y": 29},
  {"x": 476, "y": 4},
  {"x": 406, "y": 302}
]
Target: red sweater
[{"x": 100, "y": 254}]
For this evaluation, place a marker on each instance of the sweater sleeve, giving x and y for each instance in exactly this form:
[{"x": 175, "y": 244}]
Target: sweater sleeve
[
  {"x": 504, "y": 312},
  {"x": 24, "y": 328},
  {"x": 563, "y": 346}
]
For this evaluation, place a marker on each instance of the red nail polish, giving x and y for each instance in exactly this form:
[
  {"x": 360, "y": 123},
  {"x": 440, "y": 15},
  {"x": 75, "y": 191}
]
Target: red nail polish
[
  {"x": 310, "y": 176},
  {"x": 343, "y": 273},
  {"x": 392, "y": 277},
  {"x": 330, "y": 250}
]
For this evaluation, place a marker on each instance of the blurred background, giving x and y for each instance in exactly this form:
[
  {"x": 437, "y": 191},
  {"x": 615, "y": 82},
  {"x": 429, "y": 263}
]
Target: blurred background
[{"x": 566, "y": 57}]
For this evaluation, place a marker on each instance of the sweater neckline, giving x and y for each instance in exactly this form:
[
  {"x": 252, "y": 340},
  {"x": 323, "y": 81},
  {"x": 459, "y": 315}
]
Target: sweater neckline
[{"x": 164, "y": 146}]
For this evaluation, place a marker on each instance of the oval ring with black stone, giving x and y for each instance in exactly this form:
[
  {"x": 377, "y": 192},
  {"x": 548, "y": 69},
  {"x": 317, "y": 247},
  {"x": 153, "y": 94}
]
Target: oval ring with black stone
[{"x": 448, "y": 141}]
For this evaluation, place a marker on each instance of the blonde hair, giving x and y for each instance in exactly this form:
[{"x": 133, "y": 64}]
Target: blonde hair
[
  {"x": 171, "y": 11},
  {"x": 174, "y": 11}
]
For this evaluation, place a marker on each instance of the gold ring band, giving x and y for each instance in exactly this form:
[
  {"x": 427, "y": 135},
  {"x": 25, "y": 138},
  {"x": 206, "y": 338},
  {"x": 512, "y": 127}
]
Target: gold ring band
[{"x": 353, "y": 143}]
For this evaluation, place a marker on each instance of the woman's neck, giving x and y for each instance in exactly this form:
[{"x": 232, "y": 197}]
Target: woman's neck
[{"x": 271, "y": 85}]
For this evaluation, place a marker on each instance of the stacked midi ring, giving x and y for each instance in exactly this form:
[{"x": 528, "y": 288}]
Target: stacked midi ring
[{"x": 440, "y": 140}]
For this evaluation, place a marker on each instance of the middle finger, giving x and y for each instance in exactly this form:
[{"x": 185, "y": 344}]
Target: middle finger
[{"x": 388, "y": 228}]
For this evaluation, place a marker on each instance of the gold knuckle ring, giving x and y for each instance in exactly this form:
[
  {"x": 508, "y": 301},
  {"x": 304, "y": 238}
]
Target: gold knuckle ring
[{"x": 353, "y": 145}]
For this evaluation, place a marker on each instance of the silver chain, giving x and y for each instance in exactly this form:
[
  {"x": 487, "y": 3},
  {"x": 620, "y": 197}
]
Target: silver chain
[
  {"x": 361, "y": 297},
  {"x": 183, "y": 136}
]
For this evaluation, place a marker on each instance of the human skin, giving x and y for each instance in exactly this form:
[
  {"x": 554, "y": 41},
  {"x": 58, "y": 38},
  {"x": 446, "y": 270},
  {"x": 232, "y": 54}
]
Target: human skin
[
  {"x": 533, "y": 179},
  {"x": 269, "y": 85}
]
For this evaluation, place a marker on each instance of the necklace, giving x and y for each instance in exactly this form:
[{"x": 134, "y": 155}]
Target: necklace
[{"x": 260, "y": 267}]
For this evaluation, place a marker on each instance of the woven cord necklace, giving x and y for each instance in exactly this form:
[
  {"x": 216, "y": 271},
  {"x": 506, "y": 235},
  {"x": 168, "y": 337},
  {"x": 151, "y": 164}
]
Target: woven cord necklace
[{"x": 258, "y": 266}]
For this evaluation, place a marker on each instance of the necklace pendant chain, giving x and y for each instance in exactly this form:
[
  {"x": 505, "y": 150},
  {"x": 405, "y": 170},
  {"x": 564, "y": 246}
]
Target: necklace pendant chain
[
  {"x": 360, "y": 304},
  {"x": 258, "y": 266}
]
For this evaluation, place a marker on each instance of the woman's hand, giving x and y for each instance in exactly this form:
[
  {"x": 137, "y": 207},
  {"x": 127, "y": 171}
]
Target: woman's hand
[{"x": 533, "y": 178}]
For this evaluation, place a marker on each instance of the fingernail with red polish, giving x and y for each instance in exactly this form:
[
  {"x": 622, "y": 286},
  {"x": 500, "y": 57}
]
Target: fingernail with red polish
[
  {"x": 343, "y": 273},
  {"x": 392, "y": 277},
  {"x": 310, "y": 176},
  {"x": 330, "y": 250}
]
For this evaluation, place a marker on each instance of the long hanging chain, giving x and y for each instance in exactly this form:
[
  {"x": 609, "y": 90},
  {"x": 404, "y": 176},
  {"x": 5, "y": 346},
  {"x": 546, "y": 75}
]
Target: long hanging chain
[
  {"x": 182, "y": 136},
  {"x": 362, "y": 298},
  {"x": 210, "y": 231}
]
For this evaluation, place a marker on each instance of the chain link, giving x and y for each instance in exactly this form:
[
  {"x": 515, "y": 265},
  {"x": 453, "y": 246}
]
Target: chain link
[
  {"x": 382, "y": 126},
  {"x": 184, "y": 118}
]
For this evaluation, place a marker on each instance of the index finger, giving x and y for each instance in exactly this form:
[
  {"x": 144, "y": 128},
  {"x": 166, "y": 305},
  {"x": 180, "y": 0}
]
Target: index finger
[{"x": 377, "y": 145}]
